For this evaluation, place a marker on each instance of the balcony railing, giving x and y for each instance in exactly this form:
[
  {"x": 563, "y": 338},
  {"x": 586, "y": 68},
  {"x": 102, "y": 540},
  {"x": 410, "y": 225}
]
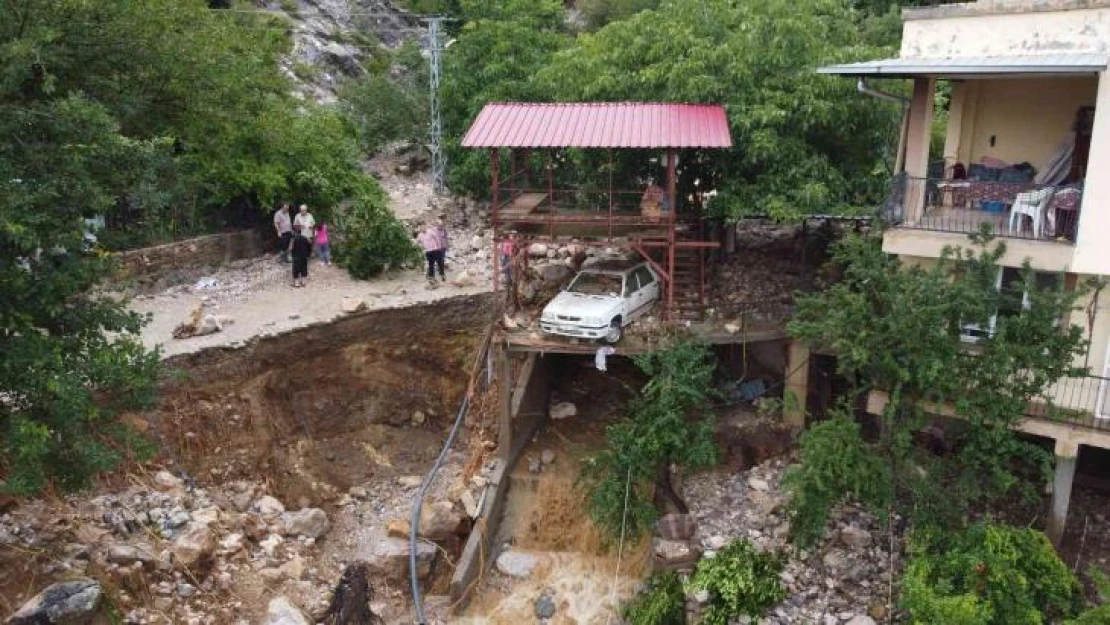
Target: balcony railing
[
  {"x": 1020, "y": 210},
  {"x": 1082, "y": 401}
]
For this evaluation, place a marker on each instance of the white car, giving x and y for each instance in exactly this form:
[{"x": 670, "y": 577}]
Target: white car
[{"x": 601, "y": 300}]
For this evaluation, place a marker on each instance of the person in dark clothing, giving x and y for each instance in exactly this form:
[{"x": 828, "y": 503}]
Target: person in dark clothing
[{"x": 301, "y": 248}]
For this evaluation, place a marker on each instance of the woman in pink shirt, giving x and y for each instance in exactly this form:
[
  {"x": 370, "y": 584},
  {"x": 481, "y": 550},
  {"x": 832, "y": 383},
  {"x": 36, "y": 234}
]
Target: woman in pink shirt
[
  {"x": 323, "y": 246},
  {"x": 430, "y": 241}
]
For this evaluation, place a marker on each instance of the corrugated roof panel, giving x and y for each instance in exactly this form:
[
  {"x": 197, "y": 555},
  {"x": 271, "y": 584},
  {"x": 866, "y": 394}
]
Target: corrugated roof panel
[
  {"x": 600, "y": 125},
  {"x": 984, "y": 65}
]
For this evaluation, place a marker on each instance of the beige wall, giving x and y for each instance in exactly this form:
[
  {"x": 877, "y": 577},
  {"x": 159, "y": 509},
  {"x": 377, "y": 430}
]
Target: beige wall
[
  {"x": 1092, "y": 249},
  {"x": 1060, "y": 32},
  {"x": 1028, "y": 117}
]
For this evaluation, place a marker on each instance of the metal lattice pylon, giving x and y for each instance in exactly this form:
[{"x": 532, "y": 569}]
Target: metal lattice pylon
[{"x": 435, "y": 50}]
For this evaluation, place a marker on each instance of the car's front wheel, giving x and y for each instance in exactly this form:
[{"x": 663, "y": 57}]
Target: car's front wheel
[{"x": 615, "y": 331}]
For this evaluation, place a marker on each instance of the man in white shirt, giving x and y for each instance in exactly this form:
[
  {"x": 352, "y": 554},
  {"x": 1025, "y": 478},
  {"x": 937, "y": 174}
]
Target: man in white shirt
[
  {"x": 305, "y": 220},
  {"x": 284, "y": 228}
]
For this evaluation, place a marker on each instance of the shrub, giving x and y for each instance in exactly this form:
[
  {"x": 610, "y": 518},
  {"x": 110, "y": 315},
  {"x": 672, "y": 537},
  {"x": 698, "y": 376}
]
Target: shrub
[
  {"x": 741, "y": 581},
  {"x": 662, "y": 603},
  {"x": 988, "y": 574},
  {"x": 369, "y": 238}
]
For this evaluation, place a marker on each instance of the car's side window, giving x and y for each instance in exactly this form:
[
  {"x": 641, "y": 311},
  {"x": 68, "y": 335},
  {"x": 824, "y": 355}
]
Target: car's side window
[
  {"x": 645, "y": 277},
  {"x": 629, "y": 284}
]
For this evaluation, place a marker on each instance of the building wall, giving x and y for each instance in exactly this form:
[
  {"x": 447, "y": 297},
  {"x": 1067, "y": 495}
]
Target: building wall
[
  {"x": 1059, "y": 32},
  {"x": 1028, "y": 117}
]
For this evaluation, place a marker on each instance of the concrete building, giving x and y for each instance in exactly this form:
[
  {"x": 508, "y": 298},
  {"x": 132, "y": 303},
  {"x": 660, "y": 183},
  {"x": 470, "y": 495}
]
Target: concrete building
[{"x": 1007, "y": 124}]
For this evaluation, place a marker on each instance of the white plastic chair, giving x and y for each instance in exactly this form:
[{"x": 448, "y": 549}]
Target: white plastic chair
[{"x": 1033, "y": 204}]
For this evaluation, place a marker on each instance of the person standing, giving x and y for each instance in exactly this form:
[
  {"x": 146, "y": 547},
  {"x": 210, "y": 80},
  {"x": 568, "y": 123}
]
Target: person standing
[
  {"x": 301, "y": 247},
  {"x": 506, "y": 248},
  {"x": 429, "y": 241},
  {"x": 283, "y": 225},
  {"x": 323, "y": 244},
  {"x": 306, "y": 221},
  {"x": 441, "y": 253}
]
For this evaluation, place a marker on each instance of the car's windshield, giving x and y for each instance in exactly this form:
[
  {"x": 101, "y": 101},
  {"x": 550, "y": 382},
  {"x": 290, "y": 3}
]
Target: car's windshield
[{"x": 596, "y": 284}]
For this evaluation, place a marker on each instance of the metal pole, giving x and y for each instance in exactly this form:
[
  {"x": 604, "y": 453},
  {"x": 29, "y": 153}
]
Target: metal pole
[
  {"x": 435, "y": 49},
  {"x": 494, "y": 172},
  {"x": 672, "y": 196}
]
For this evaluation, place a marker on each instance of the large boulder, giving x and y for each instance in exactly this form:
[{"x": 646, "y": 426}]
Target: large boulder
[
  {"x": 193, "y": 548},
  {"x": 440, "y": 521},
  {"x": 126, "y": 555},
  {"x": 311, "y": 522},
  {"x": 677, "y": 526},
  {"x": 64, "y": 603},
  {"x": 516, "y": 564},
  {"x": 389, "y": 557},
  {"x": 281, "y": 611}
]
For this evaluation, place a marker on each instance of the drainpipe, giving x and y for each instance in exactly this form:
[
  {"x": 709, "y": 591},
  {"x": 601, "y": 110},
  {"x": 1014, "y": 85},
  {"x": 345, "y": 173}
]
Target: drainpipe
[{"x": 900, "y": 155}]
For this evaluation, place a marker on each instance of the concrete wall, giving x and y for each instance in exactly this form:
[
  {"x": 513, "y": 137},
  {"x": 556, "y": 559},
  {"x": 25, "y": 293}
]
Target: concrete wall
[
  {"x": 173, "y": 263},
  {"x": 997, "y": 33},
  {"x": 1028, "y": 117},
  {"x": 1092, "y": 249}
]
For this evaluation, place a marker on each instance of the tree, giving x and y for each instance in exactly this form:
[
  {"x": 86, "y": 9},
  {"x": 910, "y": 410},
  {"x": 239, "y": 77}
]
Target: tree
[
  {"x": 598, "y": 13},
  {"x": 803, "y": 142},
  {"x": 898, "y": 330},
  {"x": 668, "y": 425}
]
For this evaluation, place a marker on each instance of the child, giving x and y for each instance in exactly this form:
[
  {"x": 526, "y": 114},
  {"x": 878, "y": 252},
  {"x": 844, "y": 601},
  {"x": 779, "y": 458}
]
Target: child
[
  {"x": 301, "y": 248},
  {"x": 323, "y": 247}
]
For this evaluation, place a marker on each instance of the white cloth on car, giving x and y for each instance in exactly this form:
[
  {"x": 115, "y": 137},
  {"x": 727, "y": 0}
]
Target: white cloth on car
[{"x": 602, "y": 353}]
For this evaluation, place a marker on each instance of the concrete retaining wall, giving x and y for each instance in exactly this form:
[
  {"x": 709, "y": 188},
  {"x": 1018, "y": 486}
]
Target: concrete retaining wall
[{"x": 153, "y": 268}]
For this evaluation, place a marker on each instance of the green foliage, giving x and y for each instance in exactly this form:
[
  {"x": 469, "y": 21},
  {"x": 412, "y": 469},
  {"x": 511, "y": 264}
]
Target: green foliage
[
  {"x": 897, "y": 330},
  {"x": 662, "y": 603},
  {"x": 741, "y": 581},
  {"x": 989, "y": 574},
  {"x": 598, "y": 13},
  {"x": 370, "y": 238},
  {"x": 1093, "y": 616},
  {"x": 836, "y": 463},
  {"x": 668, "y": 423},
  {"x": 383, "y": 110}
]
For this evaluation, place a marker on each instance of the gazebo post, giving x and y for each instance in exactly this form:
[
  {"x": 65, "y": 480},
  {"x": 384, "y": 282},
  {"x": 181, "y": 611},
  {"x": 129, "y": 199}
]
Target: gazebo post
[
  {"x": 550, "y": 181},
  {"x": 495, "y": 171},
  {"x": 672, "y": 196},
  {"x": 610, "y": 195}
]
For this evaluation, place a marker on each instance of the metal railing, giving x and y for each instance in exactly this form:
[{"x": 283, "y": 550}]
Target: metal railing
[
  {"x": 1021, "y": 210},
  {"x": 1080, "y": 400}
]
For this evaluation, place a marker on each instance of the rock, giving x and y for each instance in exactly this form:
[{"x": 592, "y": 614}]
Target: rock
[
  {"x": 877, "y": 611},
  {"x": 311, "y": 522},
  {"x": 351, "y": 305},
  {"x": 476, "y": 243},
  {"x": 186, "y": 590},
  {"x": 293, "y": 569},
  {"x": 232, "y": 542},
  {"x": 268, "y": 507},
  {"x": 126, "y": 555},
  {"x": 71, "y": 603},
  {"x": 544, "y": 606},
  {"x": 716, "y": 543},
  {"x": 510, "y": 323},
  {"x": 390, "y": 559},
  {"x": 418, "y": 418},
  {"x": 855, "y": 537},
  {"x": 440, "y": 521},
  {"x": 674, "y": 554},
  {"x": 398, "y": 528},
  {"x": 194, "y": 546},
  {"x": 535, "y": 465},
  {"x": 469, "y": 504},
  {"x": 270, "y": 544},
  {"x": 547, "y": 456},
  {"x": 732, "y": 328},
  {"x": 358, "y": 491},
  {"x": 537, "y": 250},
  {"x": 555, "y": 274},
  {"x": 207, "y": 516},
  {"x": 860, "y": 619},
  {"x": 563, "y": 410},
  {"x": 677, "y": 527},
  {"x": 281, "y": 611},
  {"x": 166, "y": 481},
  {"x": 410, "y": 481},
  {"x": 463, "y": 279},
  {"x": 272, "y": 575},
  {"x": 242, "y": 501},
  {"x": 835, "y": 561},
  {"x": 517, "y": 564},
  {"x": 758, "y": 484}
]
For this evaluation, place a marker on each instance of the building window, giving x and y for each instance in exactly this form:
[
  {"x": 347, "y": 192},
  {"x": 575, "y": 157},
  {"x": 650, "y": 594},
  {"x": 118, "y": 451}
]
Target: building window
[{"x": 1013, "y": 299}]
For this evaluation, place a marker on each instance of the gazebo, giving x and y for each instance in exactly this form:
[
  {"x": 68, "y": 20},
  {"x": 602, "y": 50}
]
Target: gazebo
[{"x": 648, "y": 218}]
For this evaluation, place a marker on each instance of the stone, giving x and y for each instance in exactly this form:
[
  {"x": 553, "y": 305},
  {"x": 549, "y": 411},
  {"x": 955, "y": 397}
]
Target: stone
[
  {"x": 677, "y": 526},
  {"x": 835, "y": 561},
  {"x": 207, "y": 516},
  {"x": 877, "y": 611},
  {"x": 535, "y": 465},
  {"x": 281, "y": 611},
  {"x": 463, "y": 279},
  {"x": 418, "y": 418},
  {"x": 410, "y": 481},
  {"x": 544, "y": 606},
  {"x": 311, "y": 522},
  {"x": 674, "y": 554},
  {"x": 272, "y": 575},
  {"x": 268, "y": 507},
  {"x": 398, "y": 528},
  {"x": 547, "y": 456},
  {"x": 860, "y": 619},
  {"x": 440, "y": 521},
  {"x": 469, "y": 504},
  {"x": 517, "y": 564},
  {"x": 232, "y": 542},
  {"x": 270, "y": 544},
  {"x": 855, "y": 537},
  {"x": 732, "y": 328},
  {"x": 716, "y": 543},
  {"x": 390, "y": 559},
  {"x": 351, "y": 305},
  {"x": 242, "y": 501},
  {"x": 293, "y": 569},
  {"x": 563, "y": 410},
  {"x": 758, "y": 484},
  {"x": 476, "y": 243},
  {"x": 358, "y": 491},
  {"x": 194, "y": 546},
  {"x": 555, "y": 274},
  {"x": 186, "y": 590},
  {"x": 73, "y": 603},
  {"x": 537, "y": 250},
  {"x": 166, "y": 481},
  {"x": 126, "y": 555}
]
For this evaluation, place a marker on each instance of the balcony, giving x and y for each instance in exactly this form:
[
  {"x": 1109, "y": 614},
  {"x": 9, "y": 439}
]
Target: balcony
[
  {"x": 1082, "y": 401},
  {"x": 1018, "y": 210}
]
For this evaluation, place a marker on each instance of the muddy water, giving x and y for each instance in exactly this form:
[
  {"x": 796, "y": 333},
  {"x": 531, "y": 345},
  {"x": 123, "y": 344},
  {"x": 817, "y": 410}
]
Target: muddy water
[{"x": 545, "y": 516}]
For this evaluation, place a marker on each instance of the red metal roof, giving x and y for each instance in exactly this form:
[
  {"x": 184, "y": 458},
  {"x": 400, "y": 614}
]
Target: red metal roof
[{"x": 599, "y": 125}]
